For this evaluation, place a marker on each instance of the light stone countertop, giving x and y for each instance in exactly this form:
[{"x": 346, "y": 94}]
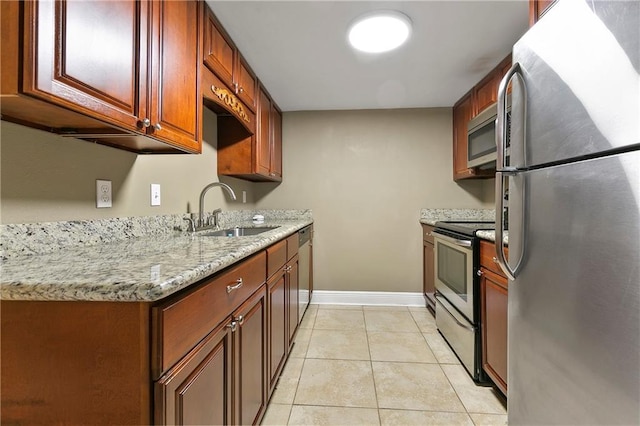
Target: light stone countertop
[
  {"x": 431, "y": 216},
  {"x": 491, "y": 236},
  {"x": 140, "y": 268}
]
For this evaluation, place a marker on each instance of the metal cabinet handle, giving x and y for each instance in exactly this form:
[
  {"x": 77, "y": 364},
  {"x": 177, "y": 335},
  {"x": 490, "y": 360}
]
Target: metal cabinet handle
[
  {"x": 288, "y": 269},
  {"x": 236, "y": 286},
  {"x": 157, "y": 126},
  {"x": 233, "y": 326},
  {"x": 146, "y": 122},
  {"x": 240, "y": 90},
  {"x": 240, "y": 319},
  {"x": 429, "y": 234},
  {"x": 479, "y": 273}
]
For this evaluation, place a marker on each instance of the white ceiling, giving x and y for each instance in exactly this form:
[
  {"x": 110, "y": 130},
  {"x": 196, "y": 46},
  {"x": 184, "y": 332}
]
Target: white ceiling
[{"x": 299, "y": 50}]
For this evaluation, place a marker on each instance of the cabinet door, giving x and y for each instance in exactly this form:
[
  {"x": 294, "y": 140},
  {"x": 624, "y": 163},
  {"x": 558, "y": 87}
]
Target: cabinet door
[
  {"x": 175, "y": 103},
  {"x": 276, "y": 143},
  {"x": 278, "y": 339},
  {"x": 485, "y": 93},
  {"x": 263, "y": 133},
  {"x": 85, "y": 57},
  {"x": 292, "y": 293},
  {"x": 494, "y": 313},
  {"x": 537, "y": 8},
  {"x": 250, "y": 354},
  {"x": 219, "y": 51},
  {"x": 461, "y": 115},
  {"x": 246, "y": 83},
  {"x": 198, "y": 389}
]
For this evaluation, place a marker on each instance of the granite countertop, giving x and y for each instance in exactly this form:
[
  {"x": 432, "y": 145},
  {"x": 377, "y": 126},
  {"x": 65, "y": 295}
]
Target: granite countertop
[
  {"x": 491, "y": 236},
  {"x": 143, "y": 268},
  {"x": 431, "y": 216}
]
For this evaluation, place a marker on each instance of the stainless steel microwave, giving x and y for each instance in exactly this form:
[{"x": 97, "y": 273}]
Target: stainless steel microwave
[{"x": 481, "y": 136}]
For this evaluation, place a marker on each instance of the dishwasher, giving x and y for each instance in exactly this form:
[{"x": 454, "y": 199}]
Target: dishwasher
[{"x": 304, "y": 270}]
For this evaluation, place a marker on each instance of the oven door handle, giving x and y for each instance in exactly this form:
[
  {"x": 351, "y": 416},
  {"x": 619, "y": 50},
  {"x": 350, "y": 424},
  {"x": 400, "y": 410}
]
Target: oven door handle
[
  {"x": 461, "y": 243},
  {"x": 466, "y": 327}
]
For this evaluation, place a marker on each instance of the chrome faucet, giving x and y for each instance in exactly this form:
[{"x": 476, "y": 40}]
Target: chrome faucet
[{"x": 201, "y": 221}]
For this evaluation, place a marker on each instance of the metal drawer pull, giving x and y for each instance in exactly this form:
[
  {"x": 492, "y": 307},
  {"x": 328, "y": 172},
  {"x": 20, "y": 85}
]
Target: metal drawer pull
[
  {"x": 238, "y": 284},
  {"x": 240, "y": 319},
  {"x": 479, "y": 273},
  {"x": 466, "y": 327},
  {"x": 233, "y": 325}
]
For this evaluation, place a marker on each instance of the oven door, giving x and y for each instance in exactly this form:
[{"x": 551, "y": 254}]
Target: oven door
[{"x": 454, "y": 271}]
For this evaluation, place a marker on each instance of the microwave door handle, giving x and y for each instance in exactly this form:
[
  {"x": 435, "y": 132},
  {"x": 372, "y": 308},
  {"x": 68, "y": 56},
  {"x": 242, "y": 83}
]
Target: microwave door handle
[{"x": 503, "y": 172}]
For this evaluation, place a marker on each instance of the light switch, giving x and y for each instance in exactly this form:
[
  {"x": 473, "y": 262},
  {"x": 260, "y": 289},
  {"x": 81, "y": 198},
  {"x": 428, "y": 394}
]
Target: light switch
[{"x": 155, "y": 194}]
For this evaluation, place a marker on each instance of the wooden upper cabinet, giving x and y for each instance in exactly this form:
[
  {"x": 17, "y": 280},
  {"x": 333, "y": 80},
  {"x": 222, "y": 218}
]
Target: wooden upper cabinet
[
  {"x": 462, "y": 112},
  {"x": 537, "y": 8},
  {"x": 276, "y": 142},
  {"x": 223, "y": 58},
  {"x": 175, "y": 107},
  {"x": 84, "y": 56},
  {"x": 263, "y": 157},
  {"x": 116, "y": 73},
  {"x": 219, "y": 51},
  {"x": 255, "y": 157},
  {"x": 246, "y": 83},
  {"x": 481, "y": 96},
  {"x": 485, "y": 93}
]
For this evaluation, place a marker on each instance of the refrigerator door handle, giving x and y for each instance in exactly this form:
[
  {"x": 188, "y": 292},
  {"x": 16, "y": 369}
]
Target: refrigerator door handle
[
  {"x": 502, "y": 171},
  {"x": 501, "y": 118}
]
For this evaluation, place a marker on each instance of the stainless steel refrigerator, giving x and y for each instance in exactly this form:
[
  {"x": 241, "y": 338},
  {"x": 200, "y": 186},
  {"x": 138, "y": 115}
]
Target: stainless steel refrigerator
[{"x": 573, "y": 176}]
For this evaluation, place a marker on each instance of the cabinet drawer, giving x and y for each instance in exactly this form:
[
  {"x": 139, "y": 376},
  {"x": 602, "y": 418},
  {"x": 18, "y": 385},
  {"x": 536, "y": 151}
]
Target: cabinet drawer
[
  {"x": 427, "y": 237},
  {"x": 487, "y": 256},
  {"x": 276, "y": 257},
  {"x": 178, "y": 325},
  {"x": 292, "y": 245}
]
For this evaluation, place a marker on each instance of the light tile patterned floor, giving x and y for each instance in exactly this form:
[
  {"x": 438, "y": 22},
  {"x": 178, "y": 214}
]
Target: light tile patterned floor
[{"x": 368, "y": 365}]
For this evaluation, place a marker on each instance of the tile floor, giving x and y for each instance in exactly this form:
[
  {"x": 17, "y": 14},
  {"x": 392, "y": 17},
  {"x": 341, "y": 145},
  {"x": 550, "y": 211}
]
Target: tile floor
[{"x": 371, "y": 365}]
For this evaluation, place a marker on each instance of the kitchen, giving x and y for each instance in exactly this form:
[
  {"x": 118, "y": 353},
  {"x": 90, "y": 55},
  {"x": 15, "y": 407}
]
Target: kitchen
[{"x": 358, "y": 180}]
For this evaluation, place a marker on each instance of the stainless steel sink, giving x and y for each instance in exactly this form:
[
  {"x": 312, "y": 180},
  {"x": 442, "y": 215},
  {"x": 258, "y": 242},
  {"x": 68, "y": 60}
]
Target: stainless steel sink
[{"x": 238, "y": 232}]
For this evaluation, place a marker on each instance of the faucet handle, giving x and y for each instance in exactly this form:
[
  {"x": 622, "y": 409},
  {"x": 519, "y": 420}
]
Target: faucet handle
[{"x": 191, "y": 226}]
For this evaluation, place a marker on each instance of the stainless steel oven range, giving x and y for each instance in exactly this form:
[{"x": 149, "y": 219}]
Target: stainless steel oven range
[{"x": 457, "y": 261}]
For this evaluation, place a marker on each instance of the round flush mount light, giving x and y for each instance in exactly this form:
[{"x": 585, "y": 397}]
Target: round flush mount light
[{"x": 379, "y": 31}]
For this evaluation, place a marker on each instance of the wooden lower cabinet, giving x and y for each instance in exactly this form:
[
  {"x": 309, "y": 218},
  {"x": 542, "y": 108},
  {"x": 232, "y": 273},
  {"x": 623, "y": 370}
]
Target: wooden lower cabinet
[
  {"x": 494, "y": 290},
  {"x": 211, "y": 354},
  {"x": 198, "y": 390},
  {"x": 278, "y": 339},
  {"x": 250, "y": 359}
]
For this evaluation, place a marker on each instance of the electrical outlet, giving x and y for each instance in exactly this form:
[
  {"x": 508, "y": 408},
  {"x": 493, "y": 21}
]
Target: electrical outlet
[
  {"x": 155, "y": 194},
  {"x": 103, "y": 193}
]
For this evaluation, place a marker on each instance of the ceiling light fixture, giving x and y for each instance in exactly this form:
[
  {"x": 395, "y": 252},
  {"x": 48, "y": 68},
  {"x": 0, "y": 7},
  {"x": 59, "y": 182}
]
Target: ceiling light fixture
[{"x": 379, "y": 31}]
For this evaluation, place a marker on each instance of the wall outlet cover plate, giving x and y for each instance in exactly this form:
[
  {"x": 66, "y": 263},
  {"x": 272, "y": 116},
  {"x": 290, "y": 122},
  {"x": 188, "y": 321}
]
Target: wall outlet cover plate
[
  {"x": 155, "y": 194},
  {"x": 103, "y": 193}
]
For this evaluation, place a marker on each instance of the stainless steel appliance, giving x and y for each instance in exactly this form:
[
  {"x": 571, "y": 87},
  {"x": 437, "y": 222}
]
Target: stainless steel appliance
[
  {"x": 456, "y": 261},
  {"x": 481, "y": 137},
  {"x": 304, "y": 269},
  {"x": 574, "y": 216}
]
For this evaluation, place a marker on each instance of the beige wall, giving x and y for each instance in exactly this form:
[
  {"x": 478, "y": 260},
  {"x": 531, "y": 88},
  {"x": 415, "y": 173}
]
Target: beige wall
[
  {"x": 49, "y": 178},
  {"x": 366, "y": 175}
]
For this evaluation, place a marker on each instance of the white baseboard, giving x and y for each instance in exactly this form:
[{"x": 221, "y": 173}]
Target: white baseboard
[{"x": 380, "y": 298}]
